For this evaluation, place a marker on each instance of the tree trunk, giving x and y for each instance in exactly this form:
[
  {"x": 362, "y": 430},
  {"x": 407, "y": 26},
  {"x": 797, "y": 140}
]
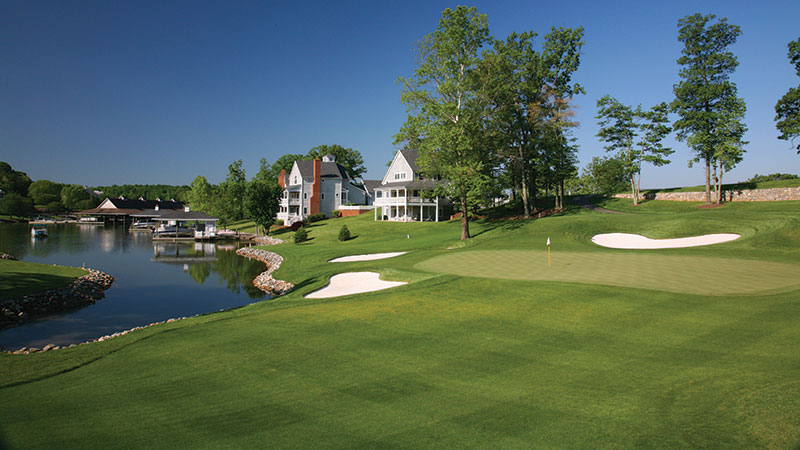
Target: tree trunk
[
  {"x": 562, "y": 194},
  {"x": 638, "y": 182},
  {"x": 719, "y": 185},
  {"x": 523, "y": 175},
  {"x": 708, "y": 181},
  {"x": 464, "y": 214},
  {"x": 633, "y": 190}
]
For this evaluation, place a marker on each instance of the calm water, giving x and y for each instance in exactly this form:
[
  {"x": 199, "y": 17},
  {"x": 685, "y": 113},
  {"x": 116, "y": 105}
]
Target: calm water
[{"x": 153, "y": 281}]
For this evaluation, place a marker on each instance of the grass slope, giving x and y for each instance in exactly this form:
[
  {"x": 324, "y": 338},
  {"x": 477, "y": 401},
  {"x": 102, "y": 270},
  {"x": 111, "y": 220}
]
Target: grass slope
[
  {"x": 19, "y": 278},
  {"x": 447, "y": 361}
]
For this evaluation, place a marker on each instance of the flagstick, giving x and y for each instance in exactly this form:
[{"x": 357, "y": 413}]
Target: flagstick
[{"x": 548, "y": 257}]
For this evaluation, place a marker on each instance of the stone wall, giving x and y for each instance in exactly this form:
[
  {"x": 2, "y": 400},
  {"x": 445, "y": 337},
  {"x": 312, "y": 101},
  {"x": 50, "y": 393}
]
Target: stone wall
[
  {"x": 84, "y": 291},
  {"x": 264, "y": 280},
  {"x": 744, "y": 195}
]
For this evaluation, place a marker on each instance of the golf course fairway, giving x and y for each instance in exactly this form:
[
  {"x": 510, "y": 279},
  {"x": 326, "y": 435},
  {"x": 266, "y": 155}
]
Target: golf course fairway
[{"x": 486, "y": 346}]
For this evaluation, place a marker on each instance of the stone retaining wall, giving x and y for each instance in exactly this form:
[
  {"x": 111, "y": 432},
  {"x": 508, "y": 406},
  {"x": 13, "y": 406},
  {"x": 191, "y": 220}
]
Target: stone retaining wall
[
  {"x": 264, "y": 280},
  {"x": 85, "y": 290},
  {"x": 744, "y": 195}
]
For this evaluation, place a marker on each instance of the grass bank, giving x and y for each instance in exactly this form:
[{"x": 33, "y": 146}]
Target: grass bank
[
  {"x": 19, "y": 278},
  {"x": 449, "y": 360}
]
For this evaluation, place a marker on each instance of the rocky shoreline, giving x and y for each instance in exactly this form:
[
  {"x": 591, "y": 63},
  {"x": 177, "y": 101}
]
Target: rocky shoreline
[
  {"x": 264, "y": 280},
  {"x": 84, "y": 291}
]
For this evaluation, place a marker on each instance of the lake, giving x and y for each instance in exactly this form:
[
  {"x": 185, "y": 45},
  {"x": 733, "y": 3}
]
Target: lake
[{"x": 153, "y": 281}]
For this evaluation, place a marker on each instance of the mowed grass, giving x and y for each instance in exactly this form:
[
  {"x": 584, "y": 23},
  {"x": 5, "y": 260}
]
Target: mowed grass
[
  {"x": 671, "y": 273},
  {"x": 19, "y": 278},
  {"x": 448, "y": 361}
]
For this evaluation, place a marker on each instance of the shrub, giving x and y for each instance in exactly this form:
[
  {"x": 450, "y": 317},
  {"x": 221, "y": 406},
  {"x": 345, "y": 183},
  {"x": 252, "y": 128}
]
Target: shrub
[
  {"x": 300, "y": 235},
  {"x": 316, "y": 217},
  {"x": 297, "y": 225},
  {"x": 344, "y": 233},
  {"x": 336, "y": 213},
  {"x": 279, "y": 222}
]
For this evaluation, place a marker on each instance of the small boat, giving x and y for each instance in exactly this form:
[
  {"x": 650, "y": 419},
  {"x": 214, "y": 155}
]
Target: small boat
[
  {"x": 39, "y": 231},
  {"x": 170, "y": 230},
  {"x": 144, "y": 225},
  {"x": 90, "y": 221}
]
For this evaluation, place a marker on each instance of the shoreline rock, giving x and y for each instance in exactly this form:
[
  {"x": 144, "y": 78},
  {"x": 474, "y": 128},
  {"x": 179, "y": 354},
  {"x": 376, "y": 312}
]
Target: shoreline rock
[
  {"x": 264, "y": 280},
  {"x": 85, "y": 290}
]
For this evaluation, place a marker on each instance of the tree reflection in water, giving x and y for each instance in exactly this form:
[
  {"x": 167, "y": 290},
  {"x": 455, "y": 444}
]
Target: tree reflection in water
[{"x": 201, "y": 260}]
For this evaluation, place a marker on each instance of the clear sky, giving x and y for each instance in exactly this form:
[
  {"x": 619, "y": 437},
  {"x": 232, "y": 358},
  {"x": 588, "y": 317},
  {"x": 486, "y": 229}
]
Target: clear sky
[{"x": 99, "y": 92}]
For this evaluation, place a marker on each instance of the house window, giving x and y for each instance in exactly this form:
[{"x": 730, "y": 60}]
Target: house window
[
  {"x": 305, "y": 195},
  {"x": 323, "y": 196},
  {"x": 378, "y": 194},
  {"x": 305, "y": 210},
  {"x": 294, "y": 180}
]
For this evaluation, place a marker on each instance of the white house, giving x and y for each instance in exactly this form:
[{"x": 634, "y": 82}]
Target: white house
[
  {"x": 318, "y": 186},
  {"x": 399, "y": 196}
]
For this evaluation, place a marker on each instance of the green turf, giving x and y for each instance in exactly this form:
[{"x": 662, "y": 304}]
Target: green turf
[
  {"x": 451, "y": 361},
  {"x": 672, "y": 273},
  {"x": 19, "y": 278}
]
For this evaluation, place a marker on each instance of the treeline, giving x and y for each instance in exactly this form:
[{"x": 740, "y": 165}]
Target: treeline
[
  {"x": 490, "y": 114},
  {"x": 147, "y": 191},
  {"x": 21, "y": 196},
  {"x": 236, "y": 198}
]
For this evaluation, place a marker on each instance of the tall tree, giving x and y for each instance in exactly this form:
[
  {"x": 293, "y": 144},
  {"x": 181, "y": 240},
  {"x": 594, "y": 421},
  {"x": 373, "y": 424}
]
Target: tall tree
[
  {"x": 262, "y": 202},
  {"x": 445, "y": 105},
  {"x": 73, "y": 196},
  {"x": 202, "y": 195},
  {"x": 604, "y": 176},
  {"x": 621, "y": 125},
  {"x": 13, "y": 180},
  {"x": 15, "y": 204},
  {"x": 45, "y": 192},
  {"x": 530, "y": 88},
  {"x": 787, "y": 109},
  {"x": 347, "y": 157},
  {"x": 232, "y": 193},
  {"x": 710, "y": 112}
]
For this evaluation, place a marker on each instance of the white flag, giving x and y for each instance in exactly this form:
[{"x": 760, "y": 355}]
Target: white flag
[{"x": 548, "y": 241}]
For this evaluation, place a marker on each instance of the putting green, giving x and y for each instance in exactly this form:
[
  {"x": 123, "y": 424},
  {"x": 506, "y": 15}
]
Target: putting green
[{"x": 671, "y": 273}]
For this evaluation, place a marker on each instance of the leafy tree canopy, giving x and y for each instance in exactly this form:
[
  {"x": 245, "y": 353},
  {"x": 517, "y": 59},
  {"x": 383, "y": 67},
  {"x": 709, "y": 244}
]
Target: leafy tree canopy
[
  {"x": 787, "y": 109},
  {"x": 13, "y": 180},
  {"x": 710, "y": 112}
]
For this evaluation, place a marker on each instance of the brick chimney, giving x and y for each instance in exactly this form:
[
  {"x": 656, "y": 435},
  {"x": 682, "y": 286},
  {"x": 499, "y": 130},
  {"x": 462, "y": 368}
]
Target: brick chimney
[
  {"x": 316, "y": 189},
  {"x": 282, "y": 179}
]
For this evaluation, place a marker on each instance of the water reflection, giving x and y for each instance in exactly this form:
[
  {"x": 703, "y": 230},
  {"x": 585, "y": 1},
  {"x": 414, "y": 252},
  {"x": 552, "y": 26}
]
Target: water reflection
[{"x": 154, "y": 281}]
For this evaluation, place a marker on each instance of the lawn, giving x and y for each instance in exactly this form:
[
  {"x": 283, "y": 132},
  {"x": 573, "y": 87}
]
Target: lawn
[
  {"x": 464, "y": 355},
  {"x": 19, "y": 278}
]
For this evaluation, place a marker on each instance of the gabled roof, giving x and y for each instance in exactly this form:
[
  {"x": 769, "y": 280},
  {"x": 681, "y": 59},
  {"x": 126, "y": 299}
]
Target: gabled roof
[
  {"x": 411, "y": 158},
  {"x": 328, "y": 169},
  {"x": 370, "y": 185},
  {"x": 129, "y": 203}
]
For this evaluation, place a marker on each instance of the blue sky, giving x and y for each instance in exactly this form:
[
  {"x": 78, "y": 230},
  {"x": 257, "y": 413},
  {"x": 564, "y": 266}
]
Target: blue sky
[{"x": 103, "y": 92}]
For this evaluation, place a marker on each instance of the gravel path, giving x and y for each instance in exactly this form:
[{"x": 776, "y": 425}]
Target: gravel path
[{"x": 583, "y": 200}]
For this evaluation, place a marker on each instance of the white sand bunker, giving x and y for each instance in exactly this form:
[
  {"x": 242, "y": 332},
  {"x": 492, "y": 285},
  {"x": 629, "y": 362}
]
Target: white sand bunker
[
  {"x": 354, "y": 283},
  {"x": 370, "y": 257},
  {"x": 636, "y": 241}
]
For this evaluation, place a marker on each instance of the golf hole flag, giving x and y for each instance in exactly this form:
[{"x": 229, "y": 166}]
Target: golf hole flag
[{"x": 548, "y": 251}]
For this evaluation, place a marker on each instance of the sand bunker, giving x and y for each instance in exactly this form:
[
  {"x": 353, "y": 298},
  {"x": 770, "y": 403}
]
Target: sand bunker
[
  {"x": 370, "y": 257},
  {"x": 354, "y": 283},
  {"x": 636, "y": 241}
]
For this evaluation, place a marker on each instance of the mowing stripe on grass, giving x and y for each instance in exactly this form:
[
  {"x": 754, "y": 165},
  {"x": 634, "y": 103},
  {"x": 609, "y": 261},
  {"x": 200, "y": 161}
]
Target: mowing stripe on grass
[{"x": 671, "y": 273}]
